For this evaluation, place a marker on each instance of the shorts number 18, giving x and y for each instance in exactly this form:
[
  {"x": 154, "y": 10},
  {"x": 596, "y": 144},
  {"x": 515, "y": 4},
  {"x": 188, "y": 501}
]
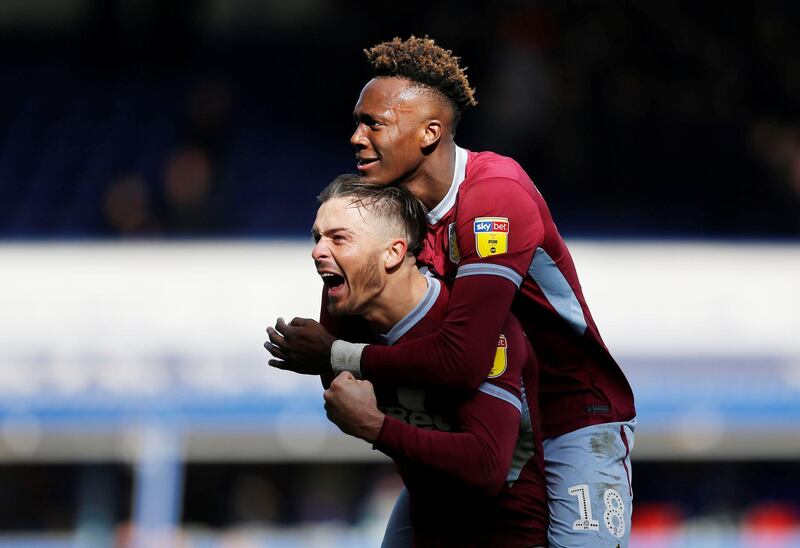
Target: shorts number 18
[{"x": 614, "y": 507}]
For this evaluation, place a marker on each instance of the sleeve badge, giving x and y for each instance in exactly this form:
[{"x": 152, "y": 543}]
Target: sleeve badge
[
  {"x": 455, "y": 254},
  {"x": 500, "y": 358},
  {"x": 491, "y": 235}
]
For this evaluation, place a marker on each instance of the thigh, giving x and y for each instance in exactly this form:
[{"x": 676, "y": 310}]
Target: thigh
[
  {"x": 589, "y": 488},
  {"x": 398, "y": 531}
]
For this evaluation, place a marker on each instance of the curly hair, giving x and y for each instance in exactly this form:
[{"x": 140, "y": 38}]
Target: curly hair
[
  {"x": 423, "y": 62},
  {"x": 392, "y": 203}
]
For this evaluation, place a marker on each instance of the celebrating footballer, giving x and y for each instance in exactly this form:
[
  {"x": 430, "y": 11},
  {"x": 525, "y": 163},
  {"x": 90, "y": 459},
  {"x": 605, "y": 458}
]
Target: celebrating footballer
[{"x": 494, "y": 251}]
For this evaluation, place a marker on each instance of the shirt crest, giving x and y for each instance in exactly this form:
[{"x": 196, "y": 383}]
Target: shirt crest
[
  {"x": 500, "y": 358},
  {"x": 452, "y": 236}
]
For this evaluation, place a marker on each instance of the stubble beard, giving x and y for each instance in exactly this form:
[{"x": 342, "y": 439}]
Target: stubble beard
[{"x": 365, "y": 284}]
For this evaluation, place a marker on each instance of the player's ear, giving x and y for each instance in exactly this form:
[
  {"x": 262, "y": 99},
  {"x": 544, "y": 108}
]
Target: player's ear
[
  {"x": 395, "y": 253},
  {"x": 431, "y": 132}
]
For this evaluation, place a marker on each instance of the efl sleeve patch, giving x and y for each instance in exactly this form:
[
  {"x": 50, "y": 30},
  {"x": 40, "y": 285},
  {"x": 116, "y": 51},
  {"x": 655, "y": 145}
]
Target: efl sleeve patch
[
  {"x": 491, "y": 235},
  {"x": 500, "y": 358}
]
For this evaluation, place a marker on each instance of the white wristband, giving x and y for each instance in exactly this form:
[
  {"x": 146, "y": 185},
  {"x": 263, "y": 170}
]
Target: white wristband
[{"x": 346, "y": 356}]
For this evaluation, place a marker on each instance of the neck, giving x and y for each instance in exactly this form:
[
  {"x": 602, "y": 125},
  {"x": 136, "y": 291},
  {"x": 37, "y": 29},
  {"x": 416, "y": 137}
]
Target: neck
[
  {"x": 404, "y": 289},
  {"x": 432, "y": 180}
]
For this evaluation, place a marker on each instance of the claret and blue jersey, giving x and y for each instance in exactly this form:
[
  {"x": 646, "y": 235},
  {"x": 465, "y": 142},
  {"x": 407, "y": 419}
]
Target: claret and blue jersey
[
  {"x": 473, "y": 464},
  {"x": 494, "y": 222},
  {"x": 493, "y": 240}
]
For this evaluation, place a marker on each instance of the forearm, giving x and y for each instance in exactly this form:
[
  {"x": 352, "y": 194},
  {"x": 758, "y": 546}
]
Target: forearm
[
  {"x": 461, "y": 353},
  {"x": 479, "y": 456}
]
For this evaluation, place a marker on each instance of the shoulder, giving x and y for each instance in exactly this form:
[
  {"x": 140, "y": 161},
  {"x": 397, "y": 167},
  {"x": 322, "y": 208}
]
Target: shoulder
[
  {"x": 495, "y": 185},
  {"x": 437, "y": 312},
  {"x": 495, "y": 179},
  {"x": 487, "y": 166},
  {"x": 431, "y": 314}
]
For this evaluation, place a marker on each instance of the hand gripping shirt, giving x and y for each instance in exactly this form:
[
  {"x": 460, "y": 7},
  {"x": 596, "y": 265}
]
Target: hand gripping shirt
[
  {"x": 494, "y": 237},
  {"x": 472, "y": 463}
]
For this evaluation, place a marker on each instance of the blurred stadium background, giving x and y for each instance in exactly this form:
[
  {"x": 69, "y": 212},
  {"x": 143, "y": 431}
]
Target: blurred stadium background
[{"x": 159, "y": 162}]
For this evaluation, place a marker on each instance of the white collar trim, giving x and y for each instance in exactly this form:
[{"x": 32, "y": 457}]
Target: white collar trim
[
  {"x": 417, "y": 313},
  {"x": 459, "y": 173}
]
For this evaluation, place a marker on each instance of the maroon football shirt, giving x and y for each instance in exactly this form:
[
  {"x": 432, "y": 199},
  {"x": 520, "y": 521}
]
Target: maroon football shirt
[
  {"x": 472, "y": 464},
  {"x": 494, "y": 236}
]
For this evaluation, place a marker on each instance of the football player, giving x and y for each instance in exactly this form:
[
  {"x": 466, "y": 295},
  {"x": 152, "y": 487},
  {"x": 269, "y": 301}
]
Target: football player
[
  {"x": 491, "y": 233},
  {"x": 471, "y": 463}
]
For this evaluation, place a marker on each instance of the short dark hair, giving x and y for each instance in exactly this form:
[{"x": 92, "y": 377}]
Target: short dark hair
[
  {"x": 391, "y": 202},
  {"x": 423, "y": 62}
]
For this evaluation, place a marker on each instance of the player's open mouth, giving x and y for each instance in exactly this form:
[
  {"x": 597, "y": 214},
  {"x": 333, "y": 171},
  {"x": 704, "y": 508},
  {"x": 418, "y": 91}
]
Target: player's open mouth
[
  {"x": 333, "y": 282},
  {"x": 364, "y": 163}
]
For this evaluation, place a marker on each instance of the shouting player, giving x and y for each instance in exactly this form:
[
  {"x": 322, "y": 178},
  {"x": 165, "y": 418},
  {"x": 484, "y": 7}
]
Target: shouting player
[
  {"x": 491, "y": 232},
  {"x": 472, "y": 463}
]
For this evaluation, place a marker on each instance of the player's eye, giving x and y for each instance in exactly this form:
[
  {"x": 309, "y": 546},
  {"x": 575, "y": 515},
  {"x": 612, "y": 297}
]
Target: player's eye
[{"x": 368, "y": 121}]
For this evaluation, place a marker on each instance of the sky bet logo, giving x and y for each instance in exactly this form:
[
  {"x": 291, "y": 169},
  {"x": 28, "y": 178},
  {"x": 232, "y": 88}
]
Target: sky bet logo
[
  {"x": 487, "y": 225},
  {"x": 491, "y": 235}
]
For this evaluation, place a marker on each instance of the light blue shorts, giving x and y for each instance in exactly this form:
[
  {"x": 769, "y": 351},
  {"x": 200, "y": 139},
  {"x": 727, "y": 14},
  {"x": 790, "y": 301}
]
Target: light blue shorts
[{"x": 588, "y": 474}]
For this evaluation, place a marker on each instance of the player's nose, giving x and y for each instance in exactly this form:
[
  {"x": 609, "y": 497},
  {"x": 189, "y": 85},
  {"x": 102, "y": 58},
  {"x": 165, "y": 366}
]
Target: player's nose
[
  {"x": 359, "y": 138},
  {"x": 319, "y": 252}
]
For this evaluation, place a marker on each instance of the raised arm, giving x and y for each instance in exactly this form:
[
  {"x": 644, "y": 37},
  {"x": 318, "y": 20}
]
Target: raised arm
[
  {"x": 498, "y": 228},
  {"x": 478, "y": 455},
  {"x": 489, "y": 274},
  {"x": 457, "y": 354}
]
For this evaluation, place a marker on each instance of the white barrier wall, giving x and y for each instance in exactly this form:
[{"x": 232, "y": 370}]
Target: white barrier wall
[
  {"x": 215, "y": 299},
  {"x": 693, "y": 298}
]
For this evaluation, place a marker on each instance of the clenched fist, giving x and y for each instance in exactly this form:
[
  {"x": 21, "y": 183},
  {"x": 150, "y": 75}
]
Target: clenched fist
[{"x": 351, "y": 405}]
